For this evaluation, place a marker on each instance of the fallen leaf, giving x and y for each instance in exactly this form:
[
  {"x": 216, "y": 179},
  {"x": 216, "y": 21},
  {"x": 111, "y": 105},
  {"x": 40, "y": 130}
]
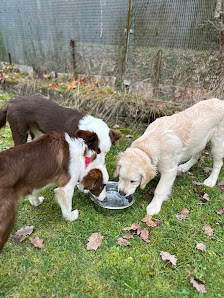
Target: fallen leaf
[
  {"x": 1, "y": 142},
  {"x": 148, "y": 220},
  {"x": 53, "y": 86},
  {"x": 198, "y": 285},
  {"x": 201, "y": 246},
  {"x": 128, "y": 237},
  {"x": 18, "y": 238},
  {"x": 167, "y": 256},
  {"x": 183, "y": 215},
  {"x": 196, "y": 183},
  {"x": 37, "y": 242},
  {"x": 95, "y": 241},
  {"x": 207, "y": 170},
  {"x": 5, "y": 136},
  {"x": 221, "y": 211},
  {"x": 135, "y": 228},
  {"x": 116, "y": 126},
  {"x": 46, "y": 75},
  {"x": 123, "y": 242},
  {"x": 149, "y": 194},
  {"x": 144, "y": 235},
  {"x": 27, "y": 230},
  {"x": 208, "y": 230},
  {"x": 221, "y": 185}
]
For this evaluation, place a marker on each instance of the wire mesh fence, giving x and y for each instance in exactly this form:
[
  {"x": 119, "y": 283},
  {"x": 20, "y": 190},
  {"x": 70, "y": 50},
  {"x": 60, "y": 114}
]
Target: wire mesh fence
[{"x": 170, "y": 43}]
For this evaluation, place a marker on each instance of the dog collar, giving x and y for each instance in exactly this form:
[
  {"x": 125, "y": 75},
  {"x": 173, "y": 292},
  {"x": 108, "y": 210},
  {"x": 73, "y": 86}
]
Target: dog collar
[{"x": 87, "y": 161}]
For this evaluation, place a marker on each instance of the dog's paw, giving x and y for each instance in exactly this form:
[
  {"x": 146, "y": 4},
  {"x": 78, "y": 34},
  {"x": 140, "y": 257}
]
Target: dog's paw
[
  {"x": 36, "y": 201},
  {"x": 72, "y": 216},
  {"x": 153, "y": 208},
  {"x": 182, "y": 168},
  {"x": 209, "y": 182}
]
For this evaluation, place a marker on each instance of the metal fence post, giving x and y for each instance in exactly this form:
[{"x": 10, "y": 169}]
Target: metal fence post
[{"x": 128, "y": 27}]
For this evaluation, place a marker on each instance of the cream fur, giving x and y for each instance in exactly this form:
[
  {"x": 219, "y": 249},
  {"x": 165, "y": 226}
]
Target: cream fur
[{"x": 167, "y": 142}]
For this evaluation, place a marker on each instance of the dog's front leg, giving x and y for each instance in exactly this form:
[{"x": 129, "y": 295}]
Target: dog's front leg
[
  {"x": 64, "y": 197},
  {"x": 162, "y": 191}
]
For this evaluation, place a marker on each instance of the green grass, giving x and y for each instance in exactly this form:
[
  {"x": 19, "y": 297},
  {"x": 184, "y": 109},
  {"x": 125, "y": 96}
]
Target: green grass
[{"x": 66, "y": 269}]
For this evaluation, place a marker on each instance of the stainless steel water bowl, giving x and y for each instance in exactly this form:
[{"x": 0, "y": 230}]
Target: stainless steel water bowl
[{"x": 114, "y": 199}]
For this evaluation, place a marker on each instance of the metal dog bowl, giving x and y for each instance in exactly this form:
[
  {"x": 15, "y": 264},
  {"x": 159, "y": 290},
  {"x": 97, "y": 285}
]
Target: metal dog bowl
[{"x": 114, "y": 199}]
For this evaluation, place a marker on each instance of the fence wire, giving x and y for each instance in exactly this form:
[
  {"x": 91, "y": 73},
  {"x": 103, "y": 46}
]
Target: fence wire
[{"x": 39, "y": 32}]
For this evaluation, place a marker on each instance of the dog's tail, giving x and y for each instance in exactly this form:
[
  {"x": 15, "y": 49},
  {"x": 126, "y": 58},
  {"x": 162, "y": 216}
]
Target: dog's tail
[
  {"x": 3, "y": 113},
  {"x": 8, "y": 211}
]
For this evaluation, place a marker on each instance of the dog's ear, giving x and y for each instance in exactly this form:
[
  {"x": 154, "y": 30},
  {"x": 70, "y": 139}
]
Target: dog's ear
[
  {"x": 114, "y": 135},
  {"x": 90, "y": 138},
  {"x": 148, "y": 173},
  {"x": 118, "y": 165},
  {"x": 91, "y": 178}
]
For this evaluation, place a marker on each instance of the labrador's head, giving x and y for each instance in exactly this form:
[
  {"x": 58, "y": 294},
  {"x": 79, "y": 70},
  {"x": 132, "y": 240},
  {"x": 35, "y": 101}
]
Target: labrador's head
[{"x": 133, "y": 169}]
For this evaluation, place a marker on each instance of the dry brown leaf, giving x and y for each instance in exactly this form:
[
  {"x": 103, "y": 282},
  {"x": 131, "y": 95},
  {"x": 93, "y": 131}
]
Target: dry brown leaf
[
  {"x": 183, "y": 215},
  {"x": 221, "y": 211},
  {"x": 167, "y": 256},
  {"x": 148, "y": 220},
  {"x": 95, "y": 241},
  {"x": 196, "y": 183},
  {"x": 37, "y": 242},
  {"x": 208, "y": 230},
  {"x": 201, "y": 246},
  {"x": 207, "y": 170},
  {"x": 128, "y": 236},
  {"x": 221, "y": 185},
  {"x": 123, "y": 242},
  {"x": 18, "y": 238},
  {"x": 198, "y": 285},
  {"x": 134, "y": 228},
  {"x": 144, "y": 235},
  {"x": 27, "y": 230}
]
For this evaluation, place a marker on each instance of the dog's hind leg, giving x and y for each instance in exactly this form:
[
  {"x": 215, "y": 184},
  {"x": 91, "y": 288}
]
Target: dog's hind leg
[
  {"x": 162, "y": 191},
  {"x": 8, "y": 209},
  {"x": 64, "y": 197},
  {"x": 217, "y": 149},
  {"x": 187, "y": 165}
]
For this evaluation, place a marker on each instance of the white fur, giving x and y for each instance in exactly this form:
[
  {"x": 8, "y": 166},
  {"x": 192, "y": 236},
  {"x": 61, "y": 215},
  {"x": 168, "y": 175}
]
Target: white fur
[
  {"x": 170, "y": 140},
  {"x": 101, "y": 129},
  {"x": 77, "y": 171}
]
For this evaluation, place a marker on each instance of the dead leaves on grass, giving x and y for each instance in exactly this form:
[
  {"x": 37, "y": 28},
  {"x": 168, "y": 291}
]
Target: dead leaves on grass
[
  {"x": 21, "y": 234},
  {"x": 183, "y": 215},
  {"x": 198, "y": 285},
  {"x": 208, "y": 230},
  {"x": 95, "y": 241},
  {"x": 168, "y": 257}
]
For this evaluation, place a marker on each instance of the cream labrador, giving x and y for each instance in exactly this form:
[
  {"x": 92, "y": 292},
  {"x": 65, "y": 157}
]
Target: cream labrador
[{"x": 166, "y": 143}]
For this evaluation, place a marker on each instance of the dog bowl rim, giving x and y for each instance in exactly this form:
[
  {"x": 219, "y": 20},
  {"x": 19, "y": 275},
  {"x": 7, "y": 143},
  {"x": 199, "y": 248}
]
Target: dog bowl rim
[{"x": 108, "y": 207}]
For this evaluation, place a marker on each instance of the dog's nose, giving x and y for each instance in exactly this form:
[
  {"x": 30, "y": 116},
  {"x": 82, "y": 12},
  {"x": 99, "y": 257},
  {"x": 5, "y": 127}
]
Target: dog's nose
[{"x": 122, "y": 193}]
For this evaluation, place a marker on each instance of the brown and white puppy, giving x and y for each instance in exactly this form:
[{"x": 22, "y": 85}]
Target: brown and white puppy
[
  {"x": 166, "y": 143},
  {"x": 54, "y": 158},
  {"x": 37, "y": 115}
]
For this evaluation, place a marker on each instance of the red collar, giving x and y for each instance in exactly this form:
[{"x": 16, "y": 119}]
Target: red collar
[{"x": 87, "y": 161}]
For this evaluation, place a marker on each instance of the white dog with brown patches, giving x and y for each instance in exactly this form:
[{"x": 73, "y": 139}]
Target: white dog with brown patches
[{"x": 166, "y": 143}]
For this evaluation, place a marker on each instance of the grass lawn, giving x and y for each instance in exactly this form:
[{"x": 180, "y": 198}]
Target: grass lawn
[{"x": 65, "y": 268}]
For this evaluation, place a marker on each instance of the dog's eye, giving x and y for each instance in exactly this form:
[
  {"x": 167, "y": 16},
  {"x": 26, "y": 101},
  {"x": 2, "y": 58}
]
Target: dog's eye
[{"x": 132, "y": 181}]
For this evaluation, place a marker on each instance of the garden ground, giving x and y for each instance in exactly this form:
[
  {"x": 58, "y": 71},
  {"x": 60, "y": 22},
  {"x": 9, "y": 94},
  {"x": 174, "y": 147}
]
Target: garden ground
[{"x": 65, "y": 268}]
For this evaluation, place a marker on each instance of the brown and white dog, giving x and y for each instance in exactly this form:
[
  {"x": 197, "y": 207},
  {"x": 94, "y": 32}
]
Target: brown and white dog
[
  {"x": 37, "y": 115},
  {"x": 54, "y": 158},
  {"x": 166, "y": 143}
]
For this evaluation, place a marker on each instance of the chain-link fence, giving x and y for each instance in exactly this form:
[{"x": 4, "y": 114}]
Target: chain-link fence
[{"x": 171, "y": 43}]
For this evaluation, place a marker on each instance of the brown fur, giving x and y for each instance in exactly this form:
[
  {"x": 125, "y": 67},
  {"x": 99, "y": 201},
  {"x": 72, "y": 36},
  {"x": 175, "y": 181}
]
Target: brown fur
[{"x": 33, "y": 166}]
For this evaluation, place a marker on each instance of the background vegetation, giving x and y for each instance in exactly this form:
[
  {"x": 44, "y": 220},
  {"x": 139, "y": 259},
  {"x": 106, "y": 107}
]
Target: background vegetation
[{"x": 65, "y": 268}]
